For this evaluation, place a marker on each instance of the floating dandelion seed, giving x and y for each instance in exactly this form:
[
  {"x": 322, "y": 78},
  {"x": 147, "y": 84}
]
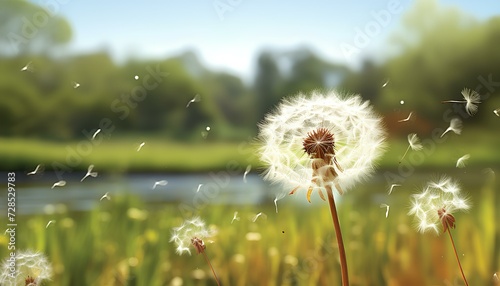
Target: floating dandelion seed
[
  {"x": 435, "y": 206},
  {"x": 402, "y": 102},
  {"x": 392, "y": 188},
  {"x": 254, "y": 219},
  {"x": 59, "y": 184},
  {"x": 461, "y": 161},
  {"x": 407, "y": 118},
  {"x": 321, "y": 142},
  {"x": 386, "y": 209},
  {"x": 455, "y": 126},
  {"x": 27, "y": 67},
  {"x": 75, "y": 84},
  {"x": 207, "y": 128},
  {"x": 140, "y": 146},
  {"x": 192, "y": 233},
  {"x": 497, "y": 112},
  {"x": 472, "y": 99},
  {"x": 89, "y": 173},
  {"x": 277, "y": 198},
  {"x": 385, "y": 83},
  {"x": 38, "y": 168},
  {"x": 105, "y": 196},
  {"x": 495, "y": 277},
  {"x": 199, "y": 187},
  {"x": 235, "y": 217},
  {"x": 95, "y": 133},
  {"x": 136, "y": 77},
  {"x": 247, "y": 170},
  {"x": 196, "y": 98},
  {"x": 414, "y": 144},
  {"x": 160, "y": 183},
  {"x": 49, "y": 223}
]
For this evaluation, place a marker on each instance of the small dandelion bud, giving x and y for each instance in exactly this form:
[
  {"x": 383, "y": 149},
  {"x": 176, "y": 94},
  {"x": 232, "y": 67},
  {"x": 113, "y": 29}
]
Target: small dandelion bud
[{"x": 198, "y": 244}]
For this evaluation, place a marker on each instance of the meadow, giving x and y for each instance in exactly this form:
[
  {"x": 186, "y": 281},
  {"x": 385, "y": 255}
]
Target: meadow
[{"x": 126, "y": 242}]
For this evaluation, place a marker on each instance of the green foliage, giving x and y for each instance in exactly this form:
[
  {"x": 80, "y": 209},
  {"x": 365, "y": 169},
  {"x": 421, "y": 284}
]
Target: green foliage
[{"x": 124, "y": 241}]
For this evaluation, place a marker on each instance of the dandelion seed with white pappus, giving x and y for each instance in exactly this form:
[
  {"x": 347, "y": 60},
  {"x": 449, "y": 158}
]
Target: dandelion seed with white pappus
[
  {"x": 321, "y": 142},
  {"x": 471, "y": 100},
  {"x": 32, "y": 268},
  {"x": 434, "y": 207},
  {"x": 192, "y": 232},
  {"x": 455, "y": 126},
  {"x": 414, "y": 144}
]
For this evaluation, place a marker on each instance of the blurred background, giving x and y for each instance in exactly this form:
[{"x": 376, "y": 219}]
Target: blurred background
[{"x": 170, "y": 93}]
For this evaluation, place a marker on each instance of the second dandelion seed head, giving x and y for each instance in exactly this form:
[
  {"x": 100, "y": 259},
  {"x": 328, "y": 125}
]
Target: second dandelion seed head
[
  {"x": 191, "y": 232},
  {"x": 436, "y": 204}
]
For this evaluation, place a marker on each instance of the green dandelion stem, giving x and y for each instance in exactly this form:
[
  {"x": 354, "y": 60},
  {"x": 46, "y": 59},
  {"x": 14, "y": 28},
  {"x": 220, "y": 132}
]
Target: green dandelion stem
[
  {"x": 458, "y": 260},
  {"x": 338, "y": 232},
  {"x": 210, "y": 264}
]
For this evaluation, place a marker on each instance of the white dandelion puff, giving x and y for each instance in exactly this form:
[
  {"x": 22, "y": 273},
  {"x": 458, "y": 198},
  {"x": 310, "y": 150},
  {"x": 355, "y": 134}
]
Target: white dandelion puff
[
  {"x": 434, "y": 206},
  {"x": 413, "y": 143},
  {"x": 183, "y": 235},
  {"x": 32, "y": 268},
  {"x": 320, "y": 141},
  {"x": 461, "y": 161},
  {"x": 497, "y": 112},
  {"x": 472, "y": 99},
  {"x": 455, "y": 126}
]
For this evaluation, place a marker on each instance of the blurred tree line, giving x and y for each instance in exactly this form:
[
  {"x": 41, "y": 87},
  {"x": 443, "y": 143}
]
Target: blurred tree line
[{"x": 435, "y": 54}]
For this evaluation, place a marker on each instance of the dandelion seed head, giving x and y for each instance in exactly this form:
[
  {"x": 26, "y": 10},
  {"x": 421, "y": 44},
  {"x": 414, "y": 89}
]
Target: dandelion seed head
[
  {"x": 324, "y": 125},
  {"x": 32, "y": 267},
  {"x": 436, "y": 204},
  {"x": 191, "y": 232}
]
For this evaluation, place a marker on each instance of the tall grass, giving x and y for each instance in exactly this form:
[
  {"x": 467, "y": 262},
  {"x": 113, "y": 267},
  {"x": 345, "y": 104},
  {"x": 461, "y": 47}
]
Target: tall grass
[{"x": 125, "y": 242}]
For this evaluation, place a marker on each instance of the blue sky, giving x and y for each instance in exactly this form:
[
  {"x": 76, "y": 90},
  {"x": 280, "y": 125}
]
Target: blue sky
[{"x": 229, "y": 39}]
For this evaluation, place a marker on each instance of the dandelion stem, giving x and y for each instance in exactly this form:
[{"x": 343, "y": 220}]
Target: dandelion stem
[
  {"x": 458, "y": 260},
  {"x": 338, "y": 232},
  {"x": 407, "y": 149},
  {"x": 210, "y": 264}
]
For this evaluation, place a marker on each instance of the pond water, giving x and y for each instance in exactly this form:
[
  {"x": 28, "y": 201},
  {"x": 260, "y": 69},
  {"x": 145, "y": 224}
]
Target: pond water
[{"x": 34, "y": 193}]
